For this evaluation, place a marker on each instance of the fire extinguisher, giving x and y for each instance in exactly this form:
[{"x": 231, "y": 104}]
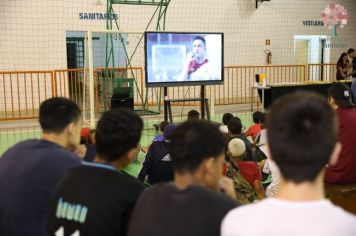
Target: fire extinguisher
[{"x": 268, "y": 57}]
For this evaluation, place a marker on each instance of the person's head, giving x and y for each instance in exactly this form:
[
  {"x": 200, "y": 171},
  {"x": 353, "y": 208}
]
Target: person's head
[
  {"x": 343, "y": 58},
  {"x": 162, "y": 125},
  {"x": 339, "y": 95},
  {"x": 199, "y": 47},
  {"x": 234, "y": 126},
  {"x": 256, "y": 116},
  {"x": 262, "y": 120},
  {"x": 197, "y": 148},
  {"x": 236, "y": 149},
  {"x": 226, "y": 118},
  {"x": 351, "y": 52},
  {"x": 193, "y": 115},
  {"x": 61, "y": 117},
  {"x": 117, "y": 136},
  {"x": 168, "y": 130},
  {"x": 302, "y": 136}
]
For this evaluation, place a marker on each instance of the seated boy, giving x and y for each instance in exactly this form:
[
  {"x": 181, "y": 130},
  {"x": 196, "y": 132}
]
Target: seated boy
[
  {"x": 254, "y": 129},
  {"x": 198, "y": 198},
  {"x": 249, "y": 170},
  {"x": 97, "y": 198}
]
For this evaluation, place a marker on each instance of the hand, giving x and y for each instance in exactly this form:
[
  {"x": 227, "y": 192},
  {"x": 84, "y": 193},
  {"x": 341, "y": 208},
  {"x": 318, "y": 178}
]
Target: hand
[{"x": 227, "y": 187}]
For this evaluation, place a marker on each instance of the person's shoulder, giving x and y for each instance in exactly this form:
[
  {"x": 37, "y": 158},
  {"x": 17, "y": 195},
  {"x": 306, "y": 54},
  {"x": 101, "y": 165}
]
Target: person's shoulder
[
  {"x": 342, "y": 216},
  {"x": 159, "y": 188},
  {"x": 159, "y": 143},
  {"x": 43, "y": 149},
  {"x": 215, "y": 198},
  {"x": 249, "y": 165},
  {"x": 194, "y": 191},
  {"x": 23, "y": 145},
  {"x": 65, "y": 156},
  {"x": 155, "y": 193},
  {"x": 158, "y": 138},
  {"x": 244, "y": 212},
  {"x": 130, "y": 180}
]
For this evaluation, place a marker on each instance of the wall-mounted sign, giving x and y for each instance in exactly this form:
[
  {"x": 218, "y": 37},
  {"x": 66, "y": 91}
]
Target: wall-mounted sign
[
  {"x": 96, "y": 16},
  {"x": 313, "y": 23}
]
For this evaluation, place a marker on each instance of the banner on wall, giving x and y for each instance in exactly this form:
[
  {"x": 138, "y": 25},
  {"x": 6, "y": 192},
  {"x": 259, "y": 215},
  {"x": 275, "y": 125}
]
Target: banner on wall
[{"x": 96, "y": 16}]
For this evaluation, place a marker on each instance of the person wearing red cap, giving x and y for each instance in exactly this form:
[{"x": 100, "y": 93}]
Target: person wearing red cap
[{"x": 84, "y": 134}]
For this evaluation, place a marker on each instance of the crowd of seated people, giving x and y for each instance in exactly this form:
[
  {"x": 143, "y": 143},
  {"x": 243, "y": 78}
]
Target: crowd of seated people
[{"x": 203, "y": 179}]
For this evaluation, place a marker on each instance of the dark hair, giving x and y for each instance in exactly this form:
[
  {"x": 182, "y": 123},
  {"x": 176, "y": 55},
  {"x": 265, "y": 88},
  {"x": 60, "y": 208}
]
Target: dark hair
[
  {"x": 194, "y": 141},
  {"x": 235, "y": 125},
  {"x": 341, "y": 61},
  {"x": 256, "y": 116},
  {"x": 162, "y": 125},
  {"x": 342, "y": 95},
  {"x": 200, "y": 38},
  {"x": 226, "y": 118},
  {"x": 263, "y": 118},
  {"x": 301, "y": 134},
  {"x": 118, "y": 131},
  {"x": 56, "y": 113},
  {"x": 193, "y": 115},
  {"x": 351, "y": 50}
]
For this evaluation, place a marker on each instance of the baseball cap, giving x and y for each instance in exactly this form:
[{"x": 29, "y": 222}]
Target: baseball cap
[
  {"x": 85, "y": 133},
  {"x": 341, "y": 93},
  {"x": 168, "y": 130},
  {"x": 236, "y": 147}
]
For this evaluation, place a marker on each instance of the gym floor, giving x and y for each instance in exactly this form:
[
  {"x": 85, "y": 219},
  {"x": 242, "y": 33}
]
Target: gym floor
[{"x": 14, "y": 132}]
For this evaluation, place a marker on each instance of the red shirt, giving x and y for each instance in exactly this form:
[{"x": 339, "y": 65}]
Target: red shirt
[
  {"x": 253, "y": 131},
  {"x": 250, "y": 171},
  {"x": 344, "y": 172},
  {"x": 193, "y": 66}
]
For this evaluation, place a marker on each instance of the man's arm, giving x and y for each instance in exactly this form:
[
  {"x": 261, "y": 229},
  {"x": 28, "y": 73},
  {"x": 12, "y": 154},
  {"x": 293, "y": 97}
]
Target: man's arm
[
  {"x": 146, "y": 166},
  {"x": 351, "y": 73},
  {"x": 343, "y": 72}
]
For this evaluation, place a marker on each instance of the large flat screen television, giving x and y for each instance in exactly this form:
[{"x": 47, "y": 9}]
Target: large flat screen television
[{"x": 176, "y": 58}]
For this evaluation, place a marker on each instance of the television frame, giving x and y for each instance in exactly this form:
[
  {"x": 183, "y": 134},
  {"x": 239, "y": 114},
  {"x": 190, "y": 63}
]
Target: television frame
[{"x": 183, "y": 83}]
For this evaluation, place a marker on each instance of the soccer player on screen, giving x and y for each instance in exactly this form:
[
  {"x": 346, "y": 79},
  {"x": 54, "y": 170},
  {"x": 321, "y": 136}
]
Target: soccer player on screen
[{"x": 197, "y": 66}]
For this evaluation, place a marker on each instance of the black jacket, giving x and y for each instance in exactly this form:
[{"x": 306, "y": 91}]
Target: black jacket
[{"x": 157, "y": 164}]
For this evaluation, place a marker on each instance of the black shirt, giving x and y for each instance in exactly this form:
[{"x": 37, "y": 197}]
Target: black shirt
[
  {"x": 165, "y": 210},
  {"x": 94, "y": 199},
  {"x": 29, "y": 172},
  {"x": 157, "y": 164}
]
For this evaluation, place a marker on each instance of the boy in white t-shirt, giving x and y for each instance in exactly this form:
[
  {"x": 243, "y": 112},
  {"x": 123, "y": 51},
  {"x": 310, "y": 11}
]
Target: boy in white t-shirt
[{"x": 302, "y": 140}]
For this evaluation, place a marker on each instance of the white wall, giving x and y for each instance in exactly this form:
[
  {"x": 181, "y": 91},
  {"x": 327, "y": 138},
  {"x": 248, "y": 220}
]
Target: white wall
[{"x": 32, "y": 33}]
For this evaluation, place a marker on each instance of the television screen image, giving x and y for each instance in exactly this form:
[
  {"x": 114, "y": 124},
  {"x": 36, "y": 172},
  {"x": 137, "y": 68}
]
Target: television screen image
[{"x": 174, "y": 58}]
